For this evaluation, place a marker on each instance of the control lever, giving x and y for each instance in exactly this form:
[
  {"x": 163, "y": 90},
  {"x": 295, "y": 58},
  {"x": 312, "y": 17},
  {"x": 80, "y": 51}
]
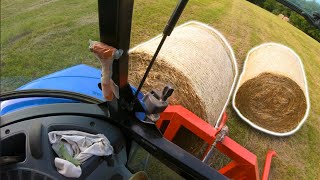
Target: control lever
[
  {"x": 167, "y": 92},
  {"x": 156, "y": 102}
]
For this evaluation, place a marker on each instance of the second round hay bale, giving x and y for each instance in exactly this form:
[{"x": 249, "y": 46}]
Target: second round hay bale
[
  {"x": 198, "y": 61},
  {"x": 272, "y": 101},
  {"x": 272, "y": 93}
]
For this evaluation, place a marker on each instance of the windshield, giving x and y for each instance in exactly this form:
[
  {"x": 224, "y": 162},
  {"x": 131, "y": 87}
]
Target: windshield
[
  {"x": 307, "y": 6},
  {"x": 141, "y": 160}
]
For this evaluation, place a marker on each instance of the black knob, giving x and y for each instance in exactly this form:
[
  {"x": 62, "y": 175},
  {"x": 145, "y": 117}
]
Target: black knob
[{"x": 167, "y": 92}]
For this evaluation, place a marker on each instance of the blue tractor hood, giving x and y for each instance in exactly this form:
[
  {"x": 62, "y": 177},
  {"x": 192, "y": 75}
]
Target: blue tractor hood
[{"x": 80, "y": 78}]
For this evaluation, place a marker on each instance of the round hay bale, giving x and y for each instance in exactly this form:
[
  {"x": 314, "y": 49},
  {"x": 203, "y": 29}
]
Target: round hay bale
[
  {"x": 198, "y": 61},
  {"x": 272, "y": 92},
  {"x": 162, "y": 74}
]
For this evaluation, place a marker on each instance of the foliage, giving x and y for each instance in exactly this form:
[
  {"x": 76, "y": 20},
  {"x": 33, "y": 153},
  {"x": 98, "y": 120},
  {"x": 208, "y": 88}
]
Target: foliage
[{"x": 295, "y": 19}]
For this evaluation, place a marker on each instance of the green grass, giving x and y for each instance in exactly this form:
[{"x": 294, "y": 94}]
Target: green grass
[{"x": 41, "y": 37}]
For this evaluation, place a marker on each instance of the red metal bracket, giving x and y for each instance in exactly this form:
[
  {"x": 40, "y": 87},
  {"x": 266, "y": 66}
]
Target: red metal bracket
[
  {"x": 244, "y": 164},
  {"x": 267, "y": 164}
]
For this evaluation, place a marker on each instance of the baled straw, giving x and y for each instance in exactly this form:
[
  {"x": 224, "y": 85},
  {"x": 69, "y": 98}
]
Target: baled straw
[
  {"x": 203, "y": 57},
  {"x": 281, "y": 70}
]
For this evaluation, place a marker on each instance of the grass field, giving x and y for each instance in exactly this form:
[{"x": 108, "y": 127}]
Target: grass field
[{"x": 39, "y": 37}]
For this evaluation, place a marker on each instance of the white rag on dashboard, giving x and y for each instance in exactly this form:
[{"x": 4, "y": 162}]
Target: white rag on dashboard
[{"x": 75, "y": 147}]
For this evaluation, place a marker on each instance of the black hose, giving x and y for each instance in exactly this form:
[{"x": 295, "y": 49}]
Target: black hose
[{"x": 166, "y": 32}]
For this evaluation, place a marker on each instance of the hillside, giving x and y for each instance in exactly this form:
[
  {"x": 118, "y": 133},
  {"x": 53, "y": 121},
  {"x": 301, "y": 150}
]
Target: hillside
[{"x": 39, "y": 37}]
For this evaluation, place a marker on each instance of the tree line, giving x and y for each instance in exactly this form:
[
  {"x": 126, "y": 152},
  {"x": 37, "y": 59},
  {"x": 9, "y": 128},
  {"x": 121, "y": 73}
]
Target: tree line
[{"x": 296, "y": 19}]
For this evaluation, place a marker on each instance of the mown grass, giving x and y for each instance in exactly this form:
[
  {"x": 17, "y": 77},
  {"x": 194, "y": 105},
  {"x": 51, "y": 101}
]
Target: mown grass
[{"x": 39, "y": 37}]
